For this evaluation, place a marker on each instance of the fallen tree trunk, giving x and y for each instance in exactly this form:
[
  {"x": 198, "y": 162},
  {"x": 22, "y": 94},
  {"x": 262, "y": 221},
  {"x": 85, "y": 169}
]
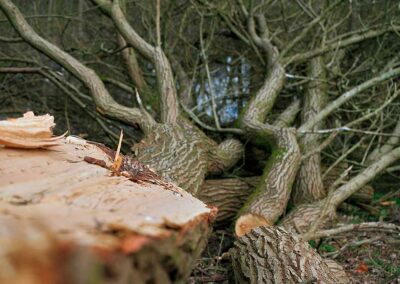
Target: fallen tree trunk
[
  {"x": 274, "y": 255},
  {"x": 69, "y": 215}
]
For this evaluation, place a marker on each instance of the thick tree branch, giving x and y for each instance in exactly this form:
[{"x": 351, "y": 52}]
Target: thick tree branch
[
  {"x": 268, "y": 202},
  {"x": 228, "y": 195},
  {"x": 225, "y": 156},
  {"x": 165, "y": 79},
  {"x": 309, "y": 185},
  {"x": 104, "y": 102},
  {"x": 287, "y": 117},
  {"x": 324, "y": 210}
]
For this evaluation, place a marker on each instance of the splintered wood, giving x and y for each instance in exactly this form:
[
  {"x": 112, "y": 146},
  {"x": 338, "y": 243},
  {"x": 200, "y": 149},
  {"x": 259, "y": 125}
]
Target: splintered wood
[
  {"x": 29, "y": 131},
  {"x": 69, "y": 196}
]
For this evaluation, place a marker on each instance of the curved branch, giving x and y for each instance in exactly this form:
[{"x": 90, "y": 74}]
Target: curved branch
[
  {"x": 103, "y": 100},
  {"x": 165, "y": 79},
  {"x": 261, "y": 104},
  {"x": 287, "y": 117},
  {"x": 225, "y": 156},
  {"x": 268, "y": 202}
]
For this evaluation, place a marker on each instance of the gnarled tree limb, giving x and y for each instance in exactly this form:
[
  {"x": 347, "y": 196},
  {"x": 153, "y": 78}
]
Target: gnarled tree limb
[
  {"x": 165, "y": 79},
  {"x": 104, "y": 102}
]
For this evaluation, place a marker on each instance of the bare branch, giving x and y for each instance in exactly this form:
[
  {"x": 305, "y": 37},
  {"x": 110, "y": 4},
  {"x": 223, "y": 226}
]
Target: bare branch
[
  {"x": 345, "y": 191},
  {"x": 370, "y": 226},
  {"x": 389, "y": 145},
  {"x": 338, "y": 44},
  {"x": 165, "y": 79},
  {"x": 134, "y": 71},
  {"x": 347, "y": 96},
  {"x": 104, "y": 102},
  {"x": 308, "y": 28},
  {"x": 11, "y": 39}
]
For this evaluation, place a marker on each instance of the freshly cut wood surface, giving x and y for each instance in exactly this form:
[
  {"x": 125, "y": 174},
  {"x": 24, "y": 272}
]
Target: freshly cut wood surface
[{"x": 67, "y": 195}]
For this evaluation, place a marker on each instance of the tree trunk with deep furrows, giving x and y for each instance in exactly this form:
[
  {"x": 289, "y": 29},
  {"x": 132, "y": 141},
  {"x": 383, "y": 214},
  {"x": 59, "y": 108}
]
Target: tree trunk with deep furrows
[
  {"x": 274, "y": 255},
  {"x": 309, "y": 185}
]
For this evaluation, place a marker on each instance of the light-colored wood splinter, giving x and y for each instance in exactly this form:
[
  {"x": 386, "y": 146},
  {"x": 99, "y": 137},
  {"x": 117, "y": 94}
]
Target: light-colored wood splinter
[{"x": 29, "y": 131}]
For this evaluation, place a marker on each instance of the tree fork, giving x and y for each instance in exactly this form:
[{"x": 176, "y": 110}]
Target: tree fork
[
  {"x": 104, "y": 102},
  {"x": 268, "y": 202}
]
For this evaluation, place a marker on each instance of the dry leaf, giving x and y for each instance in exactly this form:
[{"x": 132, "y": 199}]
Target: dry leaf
[{"x": 362, "y": 268}]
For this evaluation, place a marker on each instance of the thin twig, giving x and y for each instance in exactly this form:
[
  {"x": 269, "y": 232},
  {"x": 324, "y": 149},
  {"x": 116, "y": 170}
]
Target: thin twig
[{"x": 210, "y": 84}]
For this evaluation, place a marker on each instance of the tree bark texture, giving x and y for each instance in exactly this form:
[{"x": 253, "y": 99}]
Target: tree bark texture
[
  {"x": 184, "y": 154},
  {"x": 309, "y": 185},
  {"x": 228, "y": 195},
  {"x": 274, "y": 255},
  {"x": 268, "y": 202}
]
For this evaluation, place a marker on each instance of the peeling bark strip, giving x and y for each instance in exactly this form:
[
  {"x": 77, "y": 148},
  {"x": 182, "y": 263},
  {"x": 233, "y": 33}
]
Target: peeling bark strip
[
  {"x": 132, "y": 169},
  {"x": 273, "y": 255}
]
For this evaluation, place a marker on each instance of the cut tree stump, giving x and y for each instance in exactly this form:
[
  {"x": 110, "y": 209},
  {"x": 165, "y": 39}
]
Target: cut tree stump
[{"x": 69, "y": 215}]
